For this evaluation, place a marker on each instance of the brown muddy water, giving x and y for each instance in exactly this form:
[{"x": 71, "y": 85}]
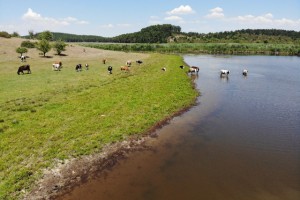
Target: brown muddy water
[{"x": 242, "y": 141}]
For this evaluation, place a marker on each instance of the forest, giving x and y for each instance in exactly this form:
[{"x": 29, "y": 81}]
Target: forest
[{"x": 167, "y": 33}]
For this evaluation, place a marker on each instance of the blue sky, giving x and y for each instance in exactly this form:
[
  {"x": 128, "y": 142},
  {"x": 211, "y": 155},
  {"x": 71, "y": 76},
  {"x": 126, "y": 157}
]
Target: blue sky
[{"x": 115, "y": 17}]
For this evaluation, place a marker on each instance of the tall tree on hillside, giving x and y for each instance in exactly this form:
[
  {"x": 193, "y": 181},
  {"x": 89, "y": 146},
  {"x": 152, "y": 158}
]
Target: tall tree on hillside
[
  {"x": 59, "y": 46},
  {"x": 21, "y": 50},
  {"x": 44, "y": 46},
  {"x": 46, "y": 35},
  {"x": 31, "y": 34}
]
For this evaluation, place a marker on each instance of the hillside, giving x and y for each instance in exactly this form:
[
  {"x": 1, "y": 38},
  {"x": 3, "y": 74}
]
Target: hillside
[{"x": 168, "y": 33}]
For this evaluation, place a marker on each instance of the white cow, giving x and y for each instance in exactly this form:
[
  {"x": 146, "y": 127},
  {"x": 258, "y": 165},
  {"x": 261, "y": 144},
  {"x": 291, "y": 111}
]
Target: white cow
[
  {"x": 23, "y": 58},
  {"x": 245, "y": 72},
  {"x": 194, "y": 69},
  {"x": 224, "y": 72},
  {"x": 56, "y": 66}
]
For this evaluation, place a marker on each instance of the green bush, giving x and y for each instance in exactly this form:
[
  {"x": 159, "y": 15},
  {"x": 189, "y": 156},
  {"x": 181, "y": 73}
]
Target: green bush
[
  {"x": 28, "y": 44},
  {"x": 5, "y": 34}
]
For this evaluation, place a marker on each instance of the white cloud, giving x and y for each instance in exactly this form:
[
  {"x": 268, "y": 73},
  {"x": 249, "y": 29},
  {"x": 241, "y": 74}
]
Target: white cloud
[
  {"x": 181, "y": 10},
  {"x": 107, "y": 26},
  {"x": 39, "y": 20},
  {"x": 173, "y": 18},
  {"x": 266, "y": 21},
  {"x": 215, "y": 13},
  {"x": 154, "y": 20}
]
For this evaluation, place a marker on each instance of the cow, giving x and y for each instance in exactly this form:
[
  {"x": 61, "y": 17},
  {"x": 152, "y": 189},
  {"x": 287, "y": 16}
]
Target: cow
[
  {"x": 181, "y": 67},
  {"x": 23, "y": 58},
  {"x": 104, "y": 60},
  {"x": 78, "y": 67},
  {"x": 164, "y": 69},
  {"x": 56, "y": 66},
  {"x": 109, "y": 69},
  {"x": 224, "y": 72},
  {"x": 139, "y": 62},
  {"x": 128, "y": 63},
  {"x": 194, "y": 69},
  {"x": 86, "y": 66},
  {"x": 22, "y": 68},
  {"x": 245, "y": 72},
  {"x": 124, "y": 68}
]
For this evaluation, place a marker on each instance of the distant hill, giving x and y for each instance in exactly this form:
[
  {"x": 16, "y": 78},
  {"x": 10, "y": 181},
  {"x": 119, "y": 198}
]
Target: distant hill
[{"x": 167, "y": 33}]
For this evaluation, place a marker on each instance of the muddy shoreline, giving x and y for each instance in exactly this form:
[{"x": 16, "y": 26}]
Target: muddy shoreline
[{"x": 70, "y": 173}]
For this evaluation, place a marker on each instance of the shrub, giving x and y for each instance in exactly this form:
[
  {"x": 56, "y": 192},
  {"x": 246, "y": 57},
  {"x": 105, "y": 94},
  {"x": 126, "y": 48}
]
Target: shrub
[
  {"x": 5, "y": 34},
  {"x": 28, "y": 44}
]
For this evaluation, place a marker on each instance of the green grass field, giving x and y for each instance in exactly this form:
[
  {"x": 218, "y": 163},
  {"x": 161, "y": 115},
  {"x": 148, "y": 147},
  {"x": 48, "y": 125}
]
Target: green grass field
[{"x": 50, "y": 115}]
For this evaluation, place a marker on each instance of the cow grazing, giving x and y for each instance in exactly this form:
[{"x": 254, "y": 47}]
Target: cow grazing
[
  {"x": 139, "y": 62},
  {"x": 194, "y": 69},
  {"x": 22, "y": 68},
  {"x": 104, "y": 60},
  {"x": 125, "y": 68},
  {"x": 164, "y": 69},
  {"x": 57, "y": 66},
  {"x": 86, "y": 66},
  {"x": 109, "y": 69},
  {"x": 224, "y": 72},
  {"x": 128, "y": 63},
  {"x": 245, "y": 72},
  {"x": 181, "y": 67},
  {"x": 78, "y": 67}
]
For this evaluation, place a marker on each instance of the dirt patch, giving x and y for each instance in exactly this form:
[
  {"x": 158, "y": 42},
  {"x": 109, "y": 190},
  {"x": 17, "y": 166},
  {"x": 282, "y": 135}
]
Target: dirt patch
[{"x": 68, "y": 174}]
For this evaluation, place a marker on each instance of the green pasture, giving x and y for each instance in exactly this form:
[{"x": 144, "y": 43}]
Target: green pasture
[{"x": 55, "y": 115}]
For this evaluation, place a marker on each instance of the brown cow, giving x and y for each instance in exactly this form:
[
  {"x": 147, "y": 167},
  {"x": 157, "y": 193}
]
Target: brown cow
[
  {"x": 104, "y": 60},
  {"x": 125, "y": 68}
]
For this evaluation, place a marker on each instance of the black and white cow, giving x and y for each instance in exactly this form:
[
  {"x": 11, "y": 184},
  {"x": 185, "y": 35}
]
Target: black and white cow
[
  {"x": 23, "y": 58},
  {"x": 78, "y": 67},
  {"x": 109, "y": 69},
  {"x": 224, "y": 72},
  {"x": 139, "y": 62},
  {"x": 194, "y": 69},
  {"x": 22, "y": 68},
  {"x": 245, "y": 72}
]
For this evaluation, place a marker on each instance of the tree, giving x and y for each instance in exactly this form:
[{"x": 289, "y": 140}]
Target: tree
[
  {"x": 31, "y": 34},
  {"x": 21, "y": 50},
  {"x": 59, "y": 46},
  {"x": 43, "y": 46},
  {"x": 46, "y": 35},
  {"x": 15, "y": 34}
]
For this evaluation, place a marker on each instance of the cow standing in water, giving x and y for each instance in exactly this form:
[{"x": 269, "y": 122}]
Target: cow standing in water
[{"x": 22, "y": 68}]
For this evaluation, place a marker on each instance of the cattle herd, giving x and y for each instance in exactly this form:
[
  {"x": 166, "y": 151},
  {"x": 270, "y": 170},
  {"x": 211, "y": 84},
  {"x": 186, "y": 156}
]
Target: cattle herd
[{"x": 57, "y": 66}]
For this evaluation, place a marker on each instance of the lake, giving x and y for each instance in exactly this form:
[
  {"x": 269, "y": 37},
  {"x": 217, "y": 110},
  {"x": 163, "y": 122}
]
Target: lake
[{"x": 241, "y": 141}]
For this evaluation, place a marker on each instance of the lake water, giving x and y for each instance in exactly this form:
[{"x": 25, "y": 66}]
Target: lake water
[{"x": 242, "y": 141}]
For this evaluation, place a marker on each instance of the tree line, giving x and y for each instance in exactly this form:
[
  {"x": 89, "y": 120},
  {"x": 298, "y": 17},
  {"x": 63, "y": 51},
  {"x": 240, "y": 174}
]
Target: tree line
[{"x": 167, "y": 33}]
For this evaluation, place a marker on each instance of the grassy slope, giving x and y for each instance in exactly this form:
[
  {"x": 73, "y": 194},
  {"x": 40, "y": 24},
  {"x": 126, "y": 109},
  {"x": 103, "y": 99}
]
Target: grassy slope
[{"x": 51, "y": 115}]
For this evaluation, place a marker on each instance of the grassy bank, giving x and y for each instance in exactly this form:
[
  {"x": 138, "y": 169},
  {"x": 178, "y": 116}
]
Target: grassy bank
[
  {"x": 205, "y": 48},
  {"x": 49, "y": 115}
]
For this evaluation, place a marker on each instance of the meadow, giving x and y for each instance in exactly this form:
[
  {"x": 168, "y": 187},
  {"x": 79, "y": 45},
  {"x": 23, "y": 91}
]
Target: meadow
[
  {"x": 204, "y": 48},
  {"x": 51, "y": 116}
]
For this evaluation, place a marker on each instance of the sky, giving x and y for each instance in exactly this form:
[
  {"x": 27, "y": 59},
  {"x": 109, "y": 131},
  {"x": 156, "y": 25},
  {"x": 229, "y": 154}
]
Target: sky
[{"x": 114, "y": 17}]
